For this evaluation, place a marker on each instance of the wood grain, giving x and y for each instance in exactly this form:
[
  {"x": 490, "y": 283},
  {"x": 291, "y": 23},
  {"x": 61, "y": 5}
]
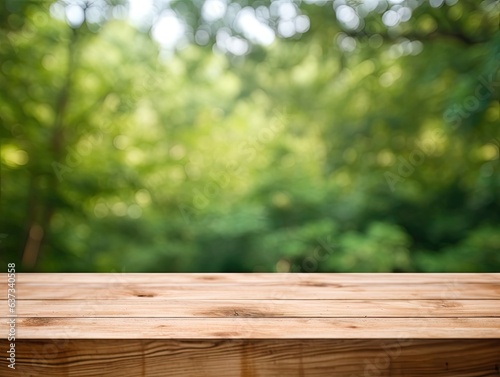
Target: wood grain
[
  {"x": 255, "y": 308},
  {"x": 248, "y": 325},
  {"x": 255, "y": 328},
  {"x": 255, "y": 278},
  {"x": 303, "y": 291},
  {"x": 257, "y": 358}
]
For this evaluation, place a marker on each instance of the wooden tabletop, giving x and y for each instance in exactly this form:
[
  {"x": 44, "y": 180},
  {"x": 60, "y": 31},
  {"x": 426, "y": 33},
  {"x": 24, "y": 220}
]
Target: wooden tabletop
[{"x": 254, "y": 306}]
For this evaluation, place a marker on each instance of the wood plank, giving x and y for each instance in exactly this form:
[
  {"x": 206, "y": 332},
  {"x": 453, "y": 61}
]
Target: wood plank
[
  {"x": 302, "y": 291},
  {"x": 150, "y": 308},
  {"x": 256, "y": 328},
  {"x": 259, "y": 358},
  {"x": 256, "y": 325},
  {"x": 255, "y": 278}
]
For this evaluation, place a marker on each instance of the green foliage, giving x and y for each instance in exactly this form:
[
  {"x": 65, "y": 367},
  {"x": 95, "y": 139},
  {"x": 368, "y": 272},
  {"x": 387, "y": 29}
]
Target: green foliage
[{"x": 337, "y": 148}]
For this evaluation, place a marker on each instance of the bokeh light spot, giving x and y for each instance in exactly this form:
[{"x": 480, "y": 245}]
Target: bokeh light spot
[
  {"x": 142, "y": 197},
  {"x": 134, "y": 211},
  {"x": 119, "y": 209},
  {"x": 13, "y": 156},
  {"x": 213, "y": 10},
  {"x": 489, "y": 152},
  {"x": 74, "y": 15},
  {"x": 121, "y": 142},
  {"x": 391, "y": 18},
  {"x": 177, "y": 152}
]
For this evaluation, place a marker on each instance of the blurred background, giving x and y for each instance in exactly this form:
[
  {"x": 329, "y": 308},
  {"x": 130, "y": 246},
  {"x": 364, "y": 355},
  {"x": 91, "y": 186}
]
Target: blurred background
[{"x": 240, "y": 135}]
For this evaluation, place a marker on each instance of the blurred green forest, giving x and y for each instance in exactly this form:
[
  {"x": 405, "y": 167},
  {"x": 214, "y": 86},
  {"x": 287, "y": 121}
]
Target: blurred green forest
[{"x": 239, "y": 135}]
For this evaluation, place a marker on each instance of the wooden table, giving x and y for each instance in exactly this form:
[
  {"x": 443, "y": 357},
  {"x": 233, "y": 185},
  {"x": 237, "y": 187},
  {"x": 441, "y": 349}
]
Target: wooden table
[{"x": 342, "y": 325}]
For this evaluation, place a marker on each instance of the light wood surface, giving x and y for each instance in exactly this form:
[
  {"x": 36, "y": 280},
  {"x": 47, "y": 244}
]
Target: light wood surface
[
  {"x": 260, "y": 306},
  {"x": 290, "y": 292},
  {"x": 254, "y": 278},
  {"x": 256, "y": 328},
  {"x": 255, "y": 325},
  {"x": 257, "y": 308},
  {"x": 257, "y": 358},
  {"x": 219, "y": 287}
]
